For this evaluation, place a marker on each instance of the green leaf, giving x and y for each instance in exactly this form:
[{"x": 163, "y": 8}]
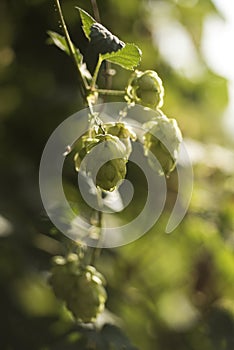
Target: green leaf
[
  {"x": 60, "y": 41},
  {"x": 128, "y": 57},
  {"x": 103, "y": 40},
  {"x": 87, "y": 21}
]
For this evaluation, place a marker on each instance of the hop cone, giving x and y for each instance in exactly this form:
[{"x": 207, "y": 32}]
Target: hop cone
[
  {"x": 146, "y": 89},
  {"x": 104, "y": 160},
  {"x": 80, "y": 288},
  {"x": 162, "y": 141}
]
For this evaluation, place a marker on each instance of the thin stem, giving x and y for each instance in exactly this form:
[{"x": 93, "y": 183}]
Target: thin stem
[
  {"x": 90, "y": 105},
  {"x": 108, "y": 77},
  {"x": 95, "y": 10},
  {"x": 97, "y": 249},
  {"x": 95, "y": 75},
  {"x": 94, "y": 116},
  {"x": 111, "y": 92},
  {"x": 84, "y": 84}
]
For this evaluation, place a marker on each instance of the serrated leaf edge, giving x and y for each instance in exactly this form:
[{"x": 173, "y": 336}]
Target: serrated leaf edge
[
  {"x": 109, "y": 56},
  {"x": 84, "y": 15}
]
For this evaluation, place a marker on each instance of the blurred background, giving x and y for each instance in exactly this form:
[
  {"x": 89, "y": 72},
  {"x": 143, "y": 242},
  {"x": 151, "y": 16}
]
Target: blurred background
[{"x": 164, "y": 291}]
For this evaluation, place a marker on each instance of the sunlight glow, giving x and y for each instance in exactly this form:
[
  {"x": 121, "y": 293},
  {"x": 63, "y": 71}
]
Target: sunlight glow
[{"x": 219, "y": 52}]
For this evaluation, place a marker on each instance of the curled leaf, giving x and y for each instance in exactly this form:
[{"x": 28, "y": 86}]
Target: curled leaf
[{"x": 103, "y": 40}]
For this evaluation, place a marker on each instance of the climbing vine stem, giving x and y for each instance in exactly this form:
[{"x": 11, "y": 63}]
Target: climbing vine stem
[{"x": 84, "y": 84}]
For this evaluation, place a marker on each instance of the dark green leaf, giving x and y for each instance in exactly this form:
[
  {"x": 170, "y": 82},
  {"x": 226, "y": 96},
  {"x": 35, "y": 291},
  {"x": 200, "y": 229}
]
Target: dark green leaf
[
  {"x": 128, "y": 57},
  {"x": 87, "y": 21},
  {"x": 103, "y": 40}
]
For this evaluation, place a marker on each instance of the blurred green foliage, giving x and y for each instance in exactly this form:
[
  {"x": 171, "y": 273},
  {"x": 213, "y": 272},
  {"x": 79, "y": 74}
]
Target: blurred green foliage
[{"x": 164, "y": 291}]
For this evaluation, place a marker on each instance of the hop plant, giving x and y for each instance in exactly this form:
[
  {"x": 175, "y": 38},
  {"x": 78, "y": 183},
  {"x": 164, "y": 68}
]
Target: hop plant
[
  {"x": 162, "y": 140},
  {"x": 103, "y": 151},
  {"x": 146, "y": 89},
  {"x": 81, "y": 288}
]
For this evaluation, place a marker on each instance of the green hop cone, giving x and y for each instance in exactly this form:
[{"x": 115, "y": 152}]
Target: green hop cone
[
  {"x": 111, "y": 173},
  {"x": 146, "y": 89},
  {"x": 104, "y": 159},
  {"x": 162, "y": 140},
  {"x": 80, "y": 288},
  {"x": 88, "y": 297}
]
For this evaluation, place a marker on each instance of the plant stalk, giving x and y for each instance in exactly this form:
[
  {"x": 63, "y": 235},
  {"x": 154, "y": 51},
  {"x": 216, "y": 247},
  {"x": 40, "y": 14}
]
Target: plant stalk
[
  {"x": 95, "y": 10},
  {"x": 95, "y": 75},
  {"x": 97, "y": 249},
  {"x": 111, "y": 92},
  {"x": 84, "y": 84}
]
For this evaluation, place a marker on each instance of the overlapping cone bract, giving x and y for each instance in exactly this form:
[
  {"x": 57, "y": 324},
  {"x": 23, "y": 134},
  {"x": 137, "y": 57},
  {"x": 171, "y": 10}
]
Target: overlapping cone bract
[
  {"x": 122, "y": 131},
  {"x": 146, "y": 89},
  {"x": 107, "y": 162},
  {"x": 162, "y": 141},
  {"x": 81, "y": 288},
  {"x": 103, "y": 157}
]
